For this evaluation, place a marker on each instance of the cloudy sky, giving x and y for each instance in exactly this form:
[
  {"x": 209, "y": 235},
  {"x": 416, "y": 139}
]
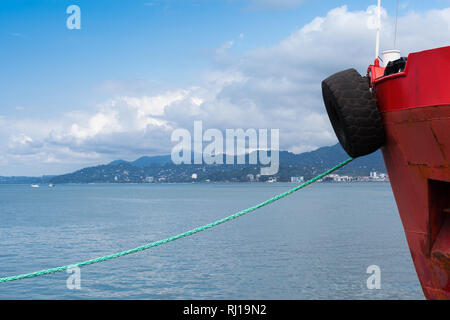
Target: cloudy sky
[{"x": 137, "y": 70}]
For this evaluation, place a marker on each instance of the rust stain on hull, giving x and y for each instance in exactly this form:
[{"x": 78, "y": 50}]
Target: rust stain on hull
[
  {"x": 419, "y": 171},
  {"x": 415, "y": 105}
]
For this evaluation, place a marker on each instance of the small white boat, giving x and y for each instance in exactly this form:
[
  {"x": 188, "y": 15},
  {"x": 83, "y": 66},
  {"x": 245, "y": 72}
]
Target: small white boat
[
  {"x": 35, "y": 186},
  {"x": 51, "y": 185}
]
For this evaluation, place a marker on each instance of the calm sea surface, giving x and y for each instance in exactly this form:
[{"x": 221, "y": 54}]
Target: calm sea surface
[{"x": 316, "y": 244}]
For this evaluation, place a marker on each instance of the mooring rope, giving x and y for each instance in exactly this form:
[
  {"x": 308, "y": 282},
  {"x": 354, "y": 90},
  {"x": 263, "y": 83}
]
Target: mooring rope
[{"x": 179, "y": 236}]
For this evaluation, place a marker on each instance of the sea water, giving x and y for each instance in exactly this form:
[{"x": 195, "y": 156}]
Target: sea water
[{"x": 316, "y": 244}]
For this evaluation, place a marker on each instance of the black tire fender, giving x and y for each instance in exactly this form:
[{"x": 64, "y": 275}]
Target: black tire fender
[{"x": 353, "y": 113}]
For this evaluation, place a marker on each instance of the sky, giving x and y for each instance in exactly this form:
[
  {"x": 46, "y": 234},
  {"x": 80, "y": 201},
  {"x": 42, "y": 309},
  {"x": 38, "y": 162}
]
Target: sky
[{"x": 139, "y": 69}]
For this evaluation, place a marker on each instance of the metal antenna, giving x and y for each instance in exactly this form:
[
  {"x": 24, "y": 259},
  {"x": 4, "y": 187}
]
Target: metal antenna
[
  {"x": 377, "y": 47},
  {"x": 396, "y": 26}
]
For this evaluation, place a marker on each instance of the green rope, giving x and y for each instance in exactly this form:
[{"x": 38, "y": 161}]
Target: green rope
[{"x": 182, "y": 235}]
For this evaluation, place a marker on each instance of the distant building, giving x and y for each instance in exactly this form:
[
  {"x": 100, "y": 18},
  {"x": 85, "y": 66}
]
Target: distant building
[
  {"x": 149, "y": 179},
  {"x": 332, "y": 178},
  {"x": 337, "y": 178},
  {"x": 297, "y": 179},
  {"x": 194, "y": 176},
  {"x": 345, "y": 179},
  {"x": 380, "y": 177},
  {"x": 251, "y": 177}
]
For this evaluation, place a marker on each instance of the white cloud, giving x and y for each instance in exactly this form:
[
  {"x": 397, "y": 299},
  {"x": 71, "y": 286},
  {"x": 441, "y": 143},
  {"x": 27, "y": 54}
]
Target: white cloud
[{"x": 274, "y": 87}]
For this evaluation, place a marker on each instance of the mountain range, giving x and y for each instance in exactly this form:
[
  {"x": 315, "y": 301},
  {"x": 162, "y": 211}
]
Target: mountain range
[{"x": 161, "y": 169}]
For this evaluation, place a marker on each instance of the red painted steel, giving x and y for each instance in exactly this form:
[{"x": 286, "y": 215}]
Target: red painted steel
[{"x": 415, "y": 105}]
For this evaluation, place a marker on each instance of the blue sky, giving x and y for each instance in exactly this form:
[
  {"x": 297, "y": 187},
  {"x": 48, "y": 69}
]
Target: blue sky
[
  {"x": 48, "y": 68},
  {"x": 54, "y": 77}
]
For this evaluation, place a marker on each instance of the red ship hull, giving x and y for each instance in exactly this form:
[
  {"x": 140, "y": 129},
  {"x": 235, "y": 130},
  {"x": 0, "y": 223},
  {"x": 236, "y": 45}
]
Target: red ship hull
[{"x": 415, "y": 105}]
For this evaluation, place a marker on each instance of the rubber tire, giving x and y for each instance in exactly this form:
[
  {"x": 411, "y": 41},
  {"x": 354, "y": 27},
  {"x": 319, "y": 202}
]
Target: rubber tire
[{"x": 353, "y": 112}]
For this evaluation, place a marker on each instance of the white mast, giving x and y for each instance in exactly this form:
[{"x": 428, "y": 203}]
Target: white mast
[
  {"x": 377, "y": 47},
  {"x": 396, "y": 26}
]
